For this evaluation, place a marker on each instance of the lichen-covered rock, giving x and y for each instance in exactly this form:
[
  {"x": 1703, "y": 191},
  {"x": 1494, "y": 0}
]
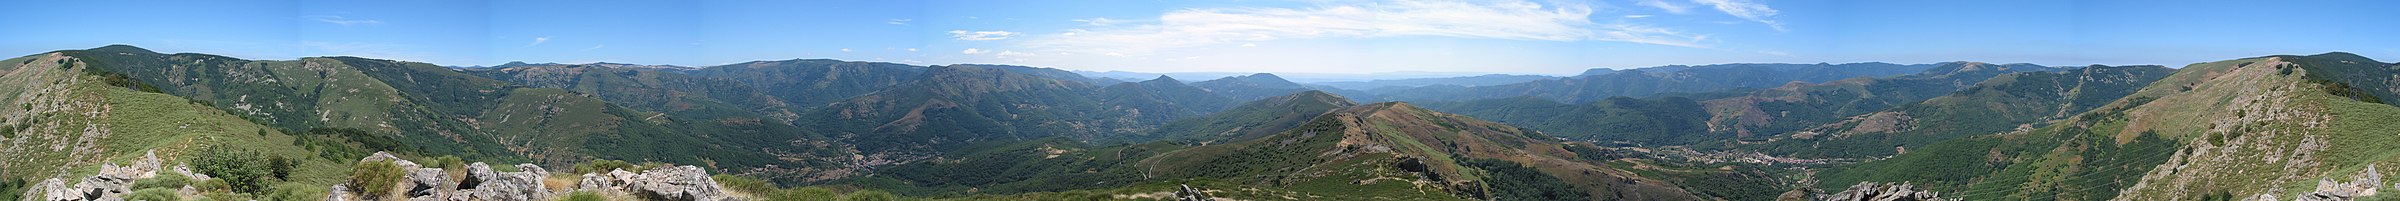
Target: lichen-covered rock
[
  {"x": 427, "y": 184},
  {"x": 672, "y": 183},
  {"x": 145, "y": 168},
  {"x": 2363, "y": 185},
  {"x": 483, "y": 184},
  {"x": 2261, "y": 197},
  {"x": 1187, "y": 193},
  {"x": 596, "y": 182},
  {"x": 338, "y": 193},
  {"x": 387, "y": 156},
  {"x": 676, "y": 183},
  {"x": 1882, "y": 192},
  {"x": 53, "y": 190},
  {"x": 186, "y": 170},
  {"x": 104, "y": 187}
]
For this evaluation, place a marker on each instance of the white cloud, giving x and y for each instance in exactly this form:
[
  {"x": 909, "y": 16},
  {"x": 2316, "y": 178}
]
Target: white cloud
[
  {"x": 1637, "y": 16},
  {"x": 897, "y": 21},
  {"x": 1666, "y": 6},
  {"x": 538, "y": 41},
  {"x": 1746, "y": 10},
  {"x": 1007, "y": 54},
  {"x": 339, "y": 20},
  {"x": 594, "y": 47},
  {"x": 912, "y": 49},
  {"x": 1249, "y": 45},
  {"x": 845, "y": 49},
  {"x": 1489, "y": 19},
  {"x": 980, "y": 35},
  {"x": 1100, "y": 21},
  {"x": 973, "y": 51}
]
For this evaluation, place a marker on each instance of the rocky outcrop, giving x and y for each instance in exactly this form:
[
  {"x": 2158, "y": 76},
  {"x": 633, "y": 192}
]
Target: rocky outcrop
[
  {"x": 427, "y": 184},
  {"x": 484, "y": 184},
  {"x": 53, "y": 190},
  {"x": 673, "y": 183},
  {"x": 387, "y": 156},
  {"x": 2362, "y": 185},
  {"x": 2261, "y": 197},
  {"x": 112, "y": 182},
  {"x": 338, "y": 193},
  {"x": 1884, "y": 192},
  {"x": 1187, "y": 193}
]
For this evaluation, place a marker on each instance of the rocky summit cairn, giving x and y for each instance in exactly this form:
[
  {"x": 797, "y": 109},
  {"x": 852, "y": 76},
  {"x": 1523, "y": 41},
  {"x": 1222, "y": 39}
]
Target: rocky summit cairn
[
  {"x": 1884, "y": 192},
  {"x": 672, "y": 183}
]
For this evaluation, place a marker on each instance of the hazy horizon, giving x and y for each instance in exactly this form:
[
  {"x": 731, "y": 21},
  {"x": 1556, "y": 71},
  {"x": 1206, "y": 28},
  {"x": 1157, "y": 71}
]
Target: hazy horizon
[{"x": 1342, "y": 37}]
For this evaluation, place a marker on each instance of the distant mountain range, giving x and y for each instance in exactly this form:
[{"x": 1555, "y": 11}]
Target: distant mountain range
[{"x": 2280, "y": 126}]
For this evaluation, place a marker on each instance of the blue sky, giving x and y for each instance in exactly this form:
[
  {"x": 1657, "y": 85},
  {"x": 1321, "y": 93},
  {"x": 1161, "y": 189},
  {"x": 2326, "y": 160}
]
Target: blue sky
[{"x": 1300, "y": 36}]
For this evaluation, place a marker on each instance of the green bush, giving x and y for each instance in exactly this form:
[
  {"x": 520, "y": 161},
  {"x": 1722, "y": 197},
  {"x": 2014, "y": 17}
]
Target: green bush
[
  {"x": 243, "y": 170},
  {"x": 584, "y": 196},
  {"x": 294, "y": 192},
  {"x": 11, "y": 187},
  {"x": 745, "y": 184},
  {"x": 870, "y": 195},
  {"x": 804, "y": 194},
  {"x": 374, "y": 179},
  {"x": 213, "y": 185},
  {"x": 605, "y": 165},
  {"x": 281, "y": 167},
  {"x": 163, "y": 181},
  {"x": 153, "y": 194},
  {"x": 448, "y": 162},
  {"x": 222, "y": 196}
]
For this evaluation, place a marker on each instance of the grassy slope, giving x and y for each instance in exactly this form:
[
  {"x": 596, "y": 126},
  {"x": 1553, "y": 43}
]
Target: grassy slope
[
  {"x": 809, "y": 84},
  {"x": 1794, "y": 107},
  {"x": 2237, "y": 127},
  {"x": 1996, "y": 105},
  {"x": 1395, "y": 151},
  {"x": 68, "y": 122},
  {"x": 1255, "y": 119},
  {"x": 442, "y": 111},
  {"x": 1654, "y": 121}
]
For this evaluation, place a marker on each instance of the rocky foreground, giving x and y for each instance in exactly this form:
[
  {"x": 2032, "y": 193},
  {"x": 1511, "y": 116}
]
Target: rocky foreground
[
  {"x": 483, "y": 183},
  {"x": 112, "y": 183}
]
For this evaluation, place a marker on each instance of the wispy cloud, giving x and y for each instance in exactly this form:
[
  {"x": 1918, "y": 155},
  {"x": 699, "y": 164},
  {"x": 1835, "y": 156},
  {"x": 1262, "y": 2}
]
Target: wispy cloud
[
  {"x": 366, "y": 49},
  {"x": 339, "y": 20},
  {"x": 1670, "y": 7},
  {"x": 1100, "y": 21},
  {"x": 1492, "y": 19},
  {"x": 980, "y": 35},
  {"x": 594, "y": 47},
  {"x": 1746, "y": 10},
  {"x": 538, "y": 41},
  {"x": 845, "y": 49},
  {"x": 1007, "y": 54},
  {"x": 973, "y": 51},
  {"x": 897, "y": 21}
]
